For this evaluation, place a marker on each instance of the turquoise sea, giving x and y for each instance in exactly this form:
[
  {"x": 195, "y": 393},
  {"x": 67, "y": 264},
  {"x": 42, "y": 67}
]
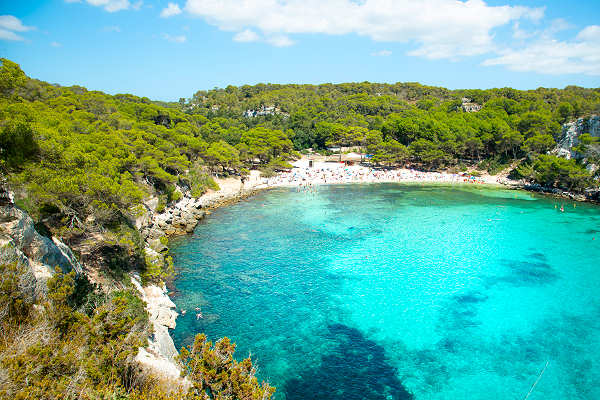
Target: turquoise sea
[{"x": 389, "y": 291}]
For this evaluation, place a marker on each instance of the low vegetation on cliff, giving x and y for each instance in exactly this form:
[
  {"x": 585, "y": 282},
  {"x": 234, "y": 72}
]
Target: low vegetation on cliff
[{"x": 79, "y": 343}]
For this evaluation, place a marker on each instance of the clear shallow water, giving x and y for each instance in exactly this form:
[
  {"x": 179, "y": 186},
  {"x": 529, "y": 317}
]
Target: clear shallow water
[{"x": 376, "y": 291}]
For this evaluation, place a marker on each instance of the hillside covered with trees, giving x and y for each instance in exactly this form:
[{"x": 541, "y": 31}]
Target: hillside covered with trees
[
  {"x": 408, "y": 123},
  {"x": 81, "y": 163},
  {"x": 85, "y": 154}
]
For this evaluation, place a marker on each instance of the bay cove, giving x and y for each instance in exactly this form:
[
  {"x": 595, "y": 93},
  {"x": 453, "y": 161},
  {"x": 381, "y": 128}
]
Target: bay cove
[{"x": 380, "y": 290}]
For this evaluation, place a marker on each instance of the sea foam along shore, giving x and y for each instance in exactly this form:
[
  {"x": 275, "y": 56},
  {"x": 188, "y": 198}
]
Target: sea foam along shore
[{"x": 183, "y": 216}]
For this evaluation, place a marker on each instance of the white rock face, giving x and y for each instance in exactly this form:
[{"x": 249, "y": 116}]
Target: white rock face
[
  {"x": 68, "y": 254},
  {"x": 42, "y": 253},
  {"x": 165, "y": 367},
  {"x": 179, "y": 218},
  {"x": 151, "y": 203},
  {"x": 163, "y": 344},
  {"x": 9, "y": 252},
  {"x": 160, "y": 306},
  {"x": 142, "y": 218},
  {"x": 571, "y": 131},
  {"x": 161, "y": 349}
]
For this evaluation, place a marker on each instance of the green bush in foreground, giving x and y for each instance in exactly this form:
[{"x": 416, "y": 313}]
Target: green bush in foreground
[
  {"x": 79, "y": 343},
  {"x": 75, "y": 343},
  {"x": 216, "y": 375}
]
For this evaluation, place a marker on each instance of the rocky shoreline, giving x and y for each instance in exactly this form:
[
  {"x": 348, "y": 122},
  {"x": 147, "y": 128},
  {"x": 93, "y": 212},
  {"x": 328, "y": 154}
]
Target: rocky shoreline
[
  {"x": 20, "y": 242},
  {"x": 590, "y": 196},
  {"x": 177, "y": 219}
]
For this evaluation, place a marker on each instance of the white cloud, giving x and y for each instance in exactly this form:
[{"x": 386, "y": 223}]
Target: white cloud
[
  {"x": 439, "y": 28},
  {"x": 8, "y": 35},
  {"x": 382, "y": 53},
  {"x": 246, "y": 35},
  {"x": 171, "y": 10},
  {"x": 521, "y": 34},
  {"x": 591, "y": 33},
  {"x": 558, "y": 25},
  {"x": 10, "y": 24},
  {"x": 175, "y": 39},
  {"x": 112, "y": 5},
  {"x": 550, "y": 56},
  {"x": 55, "y": 44},
  {"x": 555, "y": 26}
]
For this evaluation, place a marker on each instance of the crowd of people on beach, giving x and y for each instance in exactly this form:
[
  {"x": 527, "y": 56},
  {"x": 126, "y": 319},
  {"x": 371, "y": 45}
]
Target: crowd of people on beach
[{"x": 338, "y": 173}]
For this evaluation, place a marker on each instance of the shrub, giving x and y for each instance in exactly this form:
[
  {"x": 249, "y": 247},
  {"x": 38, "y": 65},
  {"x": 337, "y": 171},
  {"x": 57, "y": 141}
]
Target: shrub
[
  {"x": 17, "y": 292},
  {"x": 200, "y": 181},
  {"x": 63, "y": 353},
  {"x": 17, "y": 144},
  {"x": 213, "y": 370}
]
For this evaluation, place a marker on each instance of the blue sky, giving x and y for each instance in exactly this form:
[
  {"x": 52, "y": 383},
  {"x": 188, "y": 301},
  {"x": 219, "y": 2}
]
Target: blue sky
[{"x": 170, "y": 49}]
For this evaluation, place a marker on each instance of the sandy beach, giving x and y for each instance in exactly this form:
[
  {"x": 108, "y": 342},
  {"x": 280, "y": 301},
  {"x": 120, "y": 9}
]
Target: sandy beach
[{"x": 338, "y": 173}]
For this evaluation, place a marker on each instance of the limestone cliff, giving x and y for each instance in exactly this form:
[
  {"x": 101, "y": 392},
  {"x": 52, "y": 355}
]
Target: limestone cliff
[
  {"x": 20, "y": 241},
  {"x": 572, "y": 130},
  {"x": 161, "y": 352}
]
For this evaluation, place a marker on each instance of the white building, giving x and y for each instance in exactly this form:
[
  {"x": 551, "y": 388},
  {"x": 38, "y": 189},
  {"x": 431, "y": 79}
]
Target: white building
[{"x": 469, "y": 106}]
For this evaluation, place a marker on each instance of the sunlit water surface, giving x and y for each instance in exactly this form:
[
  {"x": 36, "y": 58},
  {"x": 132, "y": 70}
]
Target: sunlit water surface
[{"x": 381, "y": 291}]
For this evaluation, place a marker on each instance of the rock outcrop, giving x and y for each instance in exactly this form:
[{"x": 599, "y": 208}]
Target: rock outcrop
[
  {"x": 571, "y": 132},
  {"x": 178, "y": 218},
  {"x": 161, "y": 352},
  {"x": 21, "y": 242},
  {"x": 43, "y": 254},
  {"x": 181, "y": 217}
]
